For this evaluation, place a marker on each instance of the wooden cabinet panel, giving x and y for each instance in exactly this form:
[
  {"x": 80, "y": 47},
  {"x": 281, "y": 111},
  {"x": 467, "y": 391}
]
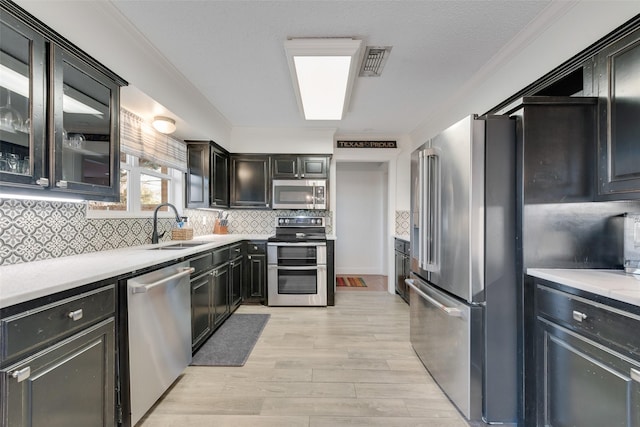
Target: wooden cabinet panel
[
  {"x": 250, "y": 182},
  {"x": 207, "y": 181},
  {"x": 587, "y": 361},
  {"x": 619, "y": 104}
]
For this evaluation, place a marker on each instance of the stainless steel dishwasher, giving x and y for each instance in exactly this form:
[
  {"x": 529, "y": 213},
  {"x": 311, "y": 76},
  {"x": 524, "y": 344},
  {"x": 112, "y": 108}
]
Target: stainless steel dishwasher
[{"x": 159, "y": 320}]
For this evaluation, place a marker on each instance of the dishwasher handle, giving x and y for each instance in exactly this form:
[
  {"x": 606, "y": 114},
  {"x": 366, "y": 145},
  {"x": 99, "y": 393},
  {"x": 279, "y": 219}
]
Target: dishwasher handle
[
  {"x": 451, "y": 311},
  {"x": 146, "y": 288}
]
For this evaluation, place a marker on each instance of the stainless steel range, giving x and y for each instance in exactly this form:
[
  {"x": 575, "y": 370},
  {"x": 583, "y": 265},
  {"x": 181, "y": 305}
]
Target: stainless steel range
[{"x": 297, "y": 262}]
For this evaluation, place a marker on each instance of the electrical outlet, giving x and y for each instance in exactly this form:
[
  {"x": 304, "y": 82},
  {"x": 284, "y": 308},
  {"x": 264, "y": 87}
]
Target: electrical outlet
[{"x": 204, "y": 220}]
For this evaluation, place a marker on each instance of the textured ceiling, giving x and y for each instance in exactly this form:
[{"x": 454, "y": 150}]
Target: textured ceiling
[{"x": 232, "y": 52}]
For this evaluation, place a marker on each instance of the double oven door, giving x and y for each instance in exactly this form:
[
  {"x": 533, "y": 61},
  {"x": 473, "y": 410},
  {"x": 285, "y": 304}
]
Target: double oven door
[{"x": 297, "y": 273}]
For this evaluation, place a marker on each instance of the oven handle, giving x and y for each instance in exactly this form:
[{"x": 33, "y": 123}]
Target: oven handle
[{"x": 319, "y": 267}]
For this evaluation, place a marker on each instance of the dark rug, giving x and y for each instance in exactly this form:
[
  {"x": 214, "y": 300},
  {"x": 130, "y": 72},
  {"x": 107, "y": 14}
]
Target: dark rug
[{"x": 233, "y": 342}]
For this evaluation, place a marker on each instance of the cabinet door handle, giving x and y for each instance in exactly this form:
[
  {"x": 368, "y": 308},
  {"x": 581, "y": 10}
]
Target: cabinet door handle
[
  {"x": 579, "y": 316},
  {"x": 21, "y": 374},
  {"x": 75, "y": 315},
  {"x": 43, "y": 182},
  {"x": 635, "y": 375}
]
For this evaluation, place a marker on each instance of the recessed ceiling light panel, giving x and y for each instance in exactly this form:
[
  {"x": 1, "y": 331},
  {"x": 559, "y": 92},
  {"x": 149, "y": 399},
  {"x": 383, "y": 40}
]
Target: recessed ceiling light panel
[{"x": 323, "y": 71}]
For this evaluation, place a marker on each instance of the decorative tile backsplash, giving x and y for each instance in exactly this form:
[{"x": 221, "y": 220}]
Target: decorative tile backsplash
[
  {"x": 402, "y": 223},
  {"x": 34, "y": 230}
]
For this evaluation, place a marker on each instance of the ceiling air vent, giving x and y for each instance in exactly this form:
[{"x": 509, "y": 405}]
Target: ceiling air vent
[{"x": 374, "y": 59}]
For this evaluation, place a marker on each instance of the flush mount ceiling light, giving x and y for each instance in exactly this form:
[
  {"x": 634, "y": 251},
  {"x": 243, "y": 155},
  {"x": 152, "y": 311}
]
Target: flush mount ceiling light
[
  {"x": 323, "y": 71},
  {"x": 164, "y": 125}
]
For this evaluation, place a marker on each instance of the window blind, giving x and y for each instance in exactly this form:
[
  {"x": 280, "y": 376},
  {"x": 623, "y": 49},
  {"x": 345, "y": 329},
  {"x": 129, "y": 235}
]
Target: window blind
[{"x": 140, "y": 139}]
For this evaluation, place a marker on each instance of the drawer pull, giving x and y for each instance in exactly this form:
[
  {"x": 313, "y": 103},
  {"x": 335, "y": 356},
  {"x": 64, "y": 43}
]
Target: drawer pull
[
  {"x": 579, "y": 316},
  {"x": 75, "y": 315},
  {"x": 21, "y": 374},
  {"x": 635, "y": 375}
]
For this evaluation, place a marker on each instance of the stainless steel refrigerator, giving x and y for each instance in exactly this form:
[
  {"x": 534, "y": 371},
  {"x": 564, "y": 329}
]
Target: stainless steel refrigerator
[{"x": 463, "y": 284}]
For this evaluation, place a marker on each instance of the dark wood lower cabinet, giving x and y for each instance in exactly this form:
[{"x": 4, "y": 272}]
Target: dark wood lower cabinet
[
  {"x": 220, "y": 278},
  {"x": 201, "y": 309},
  {"x": 69, "y": 383},
  {"x": 255, "y": 290},
  {"x": 236, "y": 269},
  {"x": 588, "y": 361}
]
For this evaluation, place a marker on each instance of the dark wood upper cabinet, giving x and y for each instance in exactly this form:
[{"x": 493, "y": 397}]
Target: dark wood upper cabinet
[
  {"x": 299, "y": 167},
  {"x": 618, "y": 68},
  {"x": 250, "y": 181},
  {"x": 219, "y": 185},
  {"x": 207, "y": 181},
  {"x": 59, "y": 121},
  {"x": 556, "y": 148}
]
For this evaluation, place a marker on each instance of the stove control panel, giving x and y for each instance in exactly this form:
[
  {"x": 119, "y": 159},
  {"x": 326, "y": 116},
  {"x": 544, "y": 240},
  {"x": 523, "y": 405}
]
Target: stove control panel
[{"x": 300, "y": 221}]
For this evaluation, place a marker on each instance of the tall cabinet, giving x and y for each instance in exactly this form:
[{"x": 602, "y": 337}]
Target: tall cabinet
[{"x": 59, "y": 124}]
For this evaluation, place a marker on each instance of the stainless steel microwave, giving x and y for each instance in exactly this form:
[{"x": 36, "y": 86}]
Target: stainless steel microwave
[{"x": 300, "y": 194}]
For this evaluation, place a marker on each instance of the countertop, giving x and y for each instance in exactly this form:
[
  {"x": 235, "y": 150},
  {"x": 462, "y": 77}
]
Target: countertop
[
  {"x": 23, "y": 282},
  {"x": 614, "y": 284},
  {"x": 402, "y": 237}
]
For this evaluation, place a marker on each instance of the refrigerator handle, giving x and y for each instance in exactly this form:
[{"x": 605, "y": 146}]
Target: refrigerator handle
[
  {"x": 432, "y": 209},
  {"x": 422, "y": 213}
]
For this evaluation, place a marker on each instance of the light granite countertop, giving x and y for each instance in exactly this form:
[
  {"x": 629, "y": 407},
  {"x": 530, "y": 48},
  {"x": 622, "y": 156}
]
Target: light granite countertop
[
  {"x": 614, "y": 284},
  {"x": 23, "y": 282}
]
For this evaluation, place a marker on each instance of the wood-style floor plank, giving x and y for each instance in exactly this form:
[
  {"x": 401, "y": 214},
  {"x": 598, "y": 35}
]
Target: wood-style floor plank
[{"x": 348, "y": 365}]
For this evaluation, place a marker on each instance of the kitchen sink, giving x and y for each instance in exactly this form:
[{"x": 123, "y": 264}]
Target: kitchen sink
[{"x": 178, "y": 246}]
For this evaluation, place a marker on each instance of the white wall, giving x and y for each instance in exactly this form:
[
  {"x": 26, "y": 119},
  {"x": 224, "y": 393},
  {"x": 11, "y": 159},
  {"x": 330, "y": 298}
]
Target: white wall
[
  {"x": 569, "y": 28},
  {"x": 282, "y": 140},
  {"x": 361, "y": 223}
]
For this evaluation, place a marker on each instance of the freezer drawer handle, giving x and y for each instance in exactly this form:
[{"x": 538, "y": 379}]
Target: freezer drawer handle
[
  {"x": 451, "y": 311},
  {"x": 579, "y": 316},
  {"x": 22, "y": 374},
  {"x": 635, "y": 375},
  {"x": 146, "y": 288}
]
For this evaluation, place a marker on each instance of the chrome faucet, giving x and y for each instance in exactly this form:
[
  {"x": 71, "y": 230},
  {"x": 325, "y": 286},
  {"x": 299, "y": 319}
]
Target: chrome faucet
[{"x": 155, "y": 236}]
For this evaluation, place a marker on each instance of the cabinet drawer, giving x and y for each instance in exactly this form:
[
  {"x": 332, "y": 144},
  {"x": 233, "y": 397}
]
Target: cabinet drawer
[
  {"x": 220, "y": 256},
  {"x": 597, "y": 321},
  {"x": 36, "y": 328},
  {"x": 235, "y": 251},
  {"x": 201, "y": 263},
  {"x": 256, "y": 248}
]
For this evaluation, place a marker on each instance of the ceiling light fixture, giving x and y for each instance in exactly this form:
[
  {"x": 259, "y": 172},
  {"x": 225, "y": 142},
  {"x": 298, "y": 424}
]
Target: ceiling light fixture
[
  {"x": 164, "y": 125},
  {"x": 323, "y": 71}
]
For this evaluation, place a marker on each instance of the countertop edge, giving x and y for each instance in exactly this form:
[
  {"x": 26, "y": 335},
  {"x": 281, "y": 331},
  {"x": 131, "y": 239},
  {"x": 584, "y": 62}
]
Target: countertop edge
[
  {"x": 24, "y": 282},
  {"x": 614, "y": 284}
]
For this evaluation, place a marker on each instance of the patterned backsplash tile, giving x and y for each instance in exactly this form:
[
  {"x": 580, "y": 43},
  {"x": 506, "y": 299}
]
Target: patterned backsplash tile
[
  {"x": 35, "y": 230},
  {"x": 402, "y": 223}
]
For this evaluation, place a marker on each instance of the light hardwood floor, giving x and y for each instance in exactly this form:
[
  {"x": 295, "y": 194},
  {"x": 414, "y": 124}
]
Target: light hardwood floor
[{"x": 347, "y": 365}]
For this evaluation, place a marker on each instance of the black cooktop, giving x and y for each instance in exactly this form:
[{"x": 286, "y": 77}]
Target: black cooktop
[{"x": 299, "y": 229}]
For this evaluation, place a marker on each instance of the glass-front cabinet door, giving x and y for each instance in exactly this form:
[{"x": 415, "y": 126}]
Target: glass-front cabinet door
[
  {"x": 84, "y": 135},
  {"x": 58, "y": 114},
  {"x": 22, "y": 104}
]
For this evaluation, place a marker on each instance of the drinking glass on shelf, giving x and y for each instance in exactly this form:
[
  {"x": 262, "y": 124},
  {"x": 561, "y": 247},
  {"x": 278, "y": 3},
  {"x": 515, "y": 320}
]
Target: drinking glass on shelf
[
  {"x": 26, "y": 165},
  {"x": 12, "y": 160},
  {"x": 4, "y": 165}
]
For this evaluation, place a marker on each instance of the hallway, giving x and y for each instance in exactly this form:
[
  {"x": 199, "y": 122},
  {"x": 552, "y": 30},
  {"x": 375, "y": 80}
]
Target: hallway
[{"x": 348, "y": 365}]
